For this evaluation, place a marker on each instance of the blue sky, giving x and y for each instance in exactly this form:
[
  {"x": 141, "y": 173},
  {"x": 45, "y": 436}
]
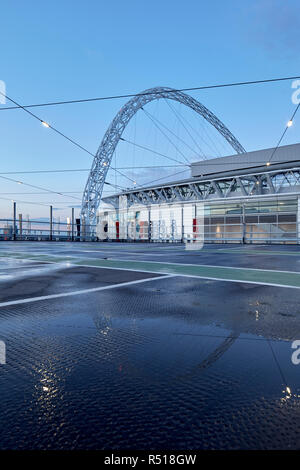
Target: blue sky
[{"x": 69, "y": 49}]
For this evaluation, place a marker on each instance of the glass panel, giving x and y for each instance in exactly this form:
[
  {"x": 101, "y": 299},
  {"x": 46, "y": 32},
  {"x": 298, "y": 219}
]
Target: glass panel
[
  {"x": 287, "y": 208},
  {"x": 251, "y": 208},
  {"x": 267, "y": 218},
  {"x": 224, "y": 209},
  {"x": 233, "y": 220},
  {"x": 229, "y": 229},
  {"x": 287, "y": 218},
  {"x": 217, "y": 220},
  {"x": 287, "y": 227},
  {"x": 251, "y": 219}
]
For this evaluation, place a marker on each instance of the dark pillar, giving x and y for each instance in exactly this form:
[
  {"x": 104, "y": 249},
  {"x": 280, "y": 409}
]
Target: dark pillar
[
  {"x": 20, "y": 226},
  {"x": 14, "y": 222},
  {"x": 78, "y": 228},
  {"x": 51, "y": 224},
  {"x": 72, "y": 222}
]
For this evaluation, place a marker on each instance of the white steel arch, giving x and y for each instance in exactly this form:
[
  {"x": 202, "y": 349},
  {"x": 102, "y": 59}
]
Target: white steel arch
[{"x": 102, "y": 160}]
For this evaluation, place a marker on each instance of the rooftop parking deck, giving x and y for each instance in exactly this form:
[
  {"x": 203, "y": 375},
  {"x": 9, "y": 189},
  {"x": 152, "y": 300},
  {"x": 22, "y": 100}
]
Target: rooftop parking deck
[{"x": 149, "y": 346}]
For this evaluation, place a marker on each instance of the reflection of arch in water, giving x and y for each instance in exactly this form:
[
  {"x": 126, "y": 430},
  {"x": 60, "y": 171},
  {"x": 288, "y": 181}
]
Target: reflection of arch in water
[
  {"x": 106, "y": 329},
  {"x": 212, "y": 358},
  {"x": 102, "y": 160}
]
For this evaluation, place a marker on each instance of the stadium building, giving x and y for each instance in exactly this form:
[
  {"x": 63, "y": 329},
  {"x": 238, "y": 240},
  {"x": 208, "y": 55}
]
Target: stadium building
[{"x": 248, "y": 198}]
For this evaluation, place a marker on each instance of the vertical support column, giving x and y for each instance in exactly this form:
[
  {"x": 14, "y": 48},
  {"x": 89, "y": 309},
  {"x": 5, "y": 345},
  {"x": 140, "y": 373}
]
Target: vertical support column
[
  {"x": 51, "y": 224},
  {"x": 127, "y": 218},
  {"x": 182, "y": 223},
  {"x": 188, "y": 216},
  {"x": 72, "y": 224},
  {"x": 20, "y": 226},
  {"x": 83, "y": 225},
  {"x": 200, "y": 229},
  {"x": 298, "y": 222},
  {"x": 194, "y": 223},
  {"x": 244, "y": 225},
  {"x": 159, "y": 224},
  {"x": 121, "y": 216},
  {"x": 14, "y": 234},
  {"x": 149, "y": 223},
  {"x": 78, "y": 229}
]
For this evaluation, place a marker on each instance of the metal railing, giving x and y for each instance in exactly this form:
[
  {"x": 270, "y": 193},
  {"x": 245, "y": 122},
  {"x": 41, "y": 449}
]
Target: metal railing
[
  {"x": 212, "y": 233},
  {"x": 40, "y": 230}
]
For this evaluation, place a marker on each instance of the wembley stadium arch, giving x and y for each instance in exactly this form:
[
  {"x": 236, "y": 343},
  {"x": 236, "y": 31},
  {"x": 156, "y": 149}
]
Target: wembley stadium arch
[{"x": 93, "y": 190}]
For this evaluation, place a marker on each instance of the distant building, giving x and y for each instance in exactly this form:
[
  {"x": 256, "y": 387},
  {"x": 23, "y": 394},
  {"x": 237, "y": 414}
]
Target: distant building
[{"x": 248, "y": 198}]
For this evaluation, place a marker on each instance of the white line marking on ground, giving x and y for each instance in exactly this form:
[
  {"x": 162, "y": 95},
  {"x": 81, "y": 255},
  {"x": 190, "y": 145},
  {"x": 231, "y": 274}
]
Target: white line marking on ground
[
  {"x": 266, "y": 284},
  {"x": 74, "y": 257},
  {"x": 200, "y": 265},
  {"x": 194, "y": 276},
  {"x": 83, "y": 291}
]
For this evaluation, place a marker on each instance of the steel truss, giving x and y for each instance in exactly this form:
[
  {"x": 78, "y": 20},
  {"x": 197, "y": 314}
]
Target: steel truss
[
  {"x": 102, "y": 160},
  {"x": 250, "y": 185}
]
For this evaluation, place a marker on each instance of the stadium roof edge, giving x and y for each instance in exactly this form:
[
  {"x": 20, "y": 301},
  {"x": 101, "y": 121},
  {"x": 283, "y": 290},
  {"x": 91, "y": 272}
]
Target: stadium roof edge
[
  {"x": 249, "y": 160},
  {"x": 285, "y": 157}
]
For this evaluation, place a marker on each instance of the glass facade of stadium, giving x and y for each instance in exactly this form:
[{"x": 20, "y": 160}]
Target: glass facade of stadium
[
  {"x": 234, "y": 199},
  {"x": 263, "y": 220}
]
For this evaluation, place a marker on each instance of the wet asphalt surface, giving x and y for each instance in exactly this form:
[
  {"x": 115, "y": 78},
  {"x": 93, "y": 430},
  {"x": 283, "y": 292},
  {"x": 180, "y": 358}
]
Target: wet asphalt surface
[
  {"x": 172, "y": 363},
  {"x": 257, "y": 256}
]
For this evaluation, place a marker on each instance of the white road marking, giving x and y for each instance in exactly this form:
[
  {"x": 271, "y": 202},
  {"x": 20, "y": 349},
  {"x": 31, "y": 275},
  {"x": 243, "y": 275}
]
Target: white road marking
[
  {"x": 167, "y": 274},
  {"x": 78, "y": 258},
  {"x": 197, "y": 265},
  {"x": 193, "y": 276},
  {"x": 83, "y": 291}
]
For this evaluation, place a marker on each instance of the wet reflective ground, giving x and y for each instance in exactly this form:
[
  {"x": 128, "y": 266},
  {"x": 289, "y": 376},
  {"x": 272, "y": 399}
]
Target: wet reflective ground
[{"x": 170, "y": 363}]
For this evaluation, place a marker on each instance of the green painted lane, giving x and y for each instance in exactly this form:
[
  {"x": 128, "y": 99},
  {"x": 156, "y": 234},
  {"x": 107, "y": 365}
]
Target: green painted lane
[{"x": 221, "y": 273}]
